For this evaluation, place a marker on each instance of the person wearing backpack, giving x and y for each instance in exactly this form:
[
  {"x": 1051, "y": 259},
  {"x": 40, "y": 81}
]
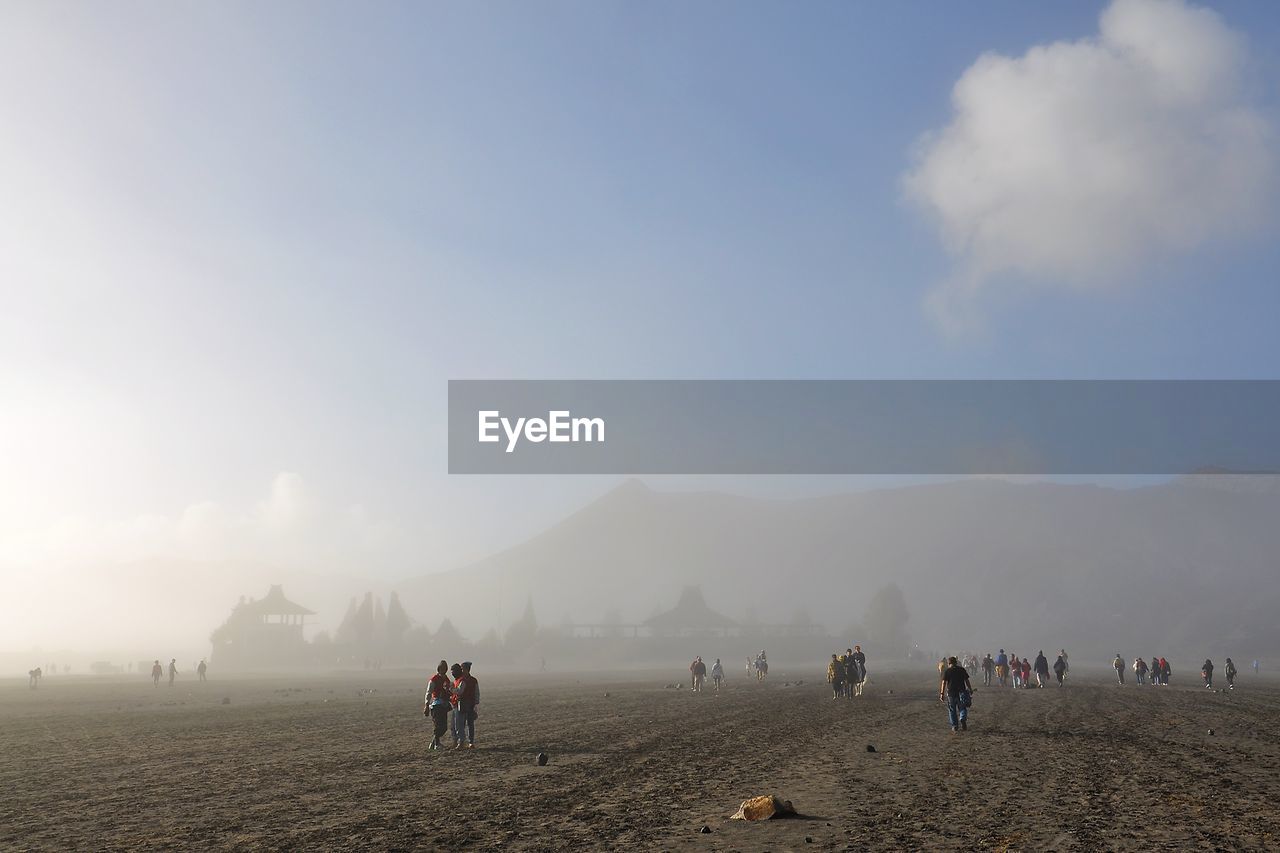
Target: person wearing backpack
[
  {"x": 1118, "y": 663},
  {"x": 1229, "y": 670},
  {"x": 1206, "y": 672}
]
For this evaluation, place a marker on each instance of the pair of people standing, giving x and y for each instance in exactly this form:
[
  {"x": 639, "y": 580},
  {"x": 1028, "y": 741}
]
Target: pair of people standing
[{"x": 452, "y": 690}]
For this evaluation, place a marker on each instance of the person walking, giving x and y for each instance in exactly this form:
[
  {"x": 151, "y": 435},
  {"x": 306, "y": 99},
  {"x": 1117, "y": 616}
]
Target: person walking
[
  {"x": 1229, "y": 670},
  {"x": 1165, "y": 672},
  {"x": 1042, "y": 669},
  {"x": 1002, "y": 668},
  {"x": 1154, "y": 671},
  {"x": 173, "y": 670},
  {"x": 698, "y": 671},
  {"x": 202, "y": 669},
  {"x": 717, "y": 675},
  {"x": 437, "y": 703},
  {"x": 859, "y": 673},
  {"x": 1060, "y": 669},
  {"x": 955, "y": 690},
  {"x": 156, "y": 672},
  {"x": 835, "y": 676},
  {"x": 988, "y": 669},
  {"x": 1206, "y": 672},
  {"x": 1140, "y": 670},
  {"x": 1118, "y": 663}
]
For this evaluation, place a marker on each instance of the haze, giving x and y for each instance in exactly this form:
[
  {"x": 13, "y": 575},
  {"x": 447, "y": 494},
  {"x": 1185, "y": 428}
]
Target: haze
[{"x": 242, "y": 248}]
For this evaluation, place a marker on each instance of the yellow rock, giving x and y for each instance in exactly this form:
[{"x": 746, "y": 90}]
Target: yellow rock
[{"x": 763, "y": 808}]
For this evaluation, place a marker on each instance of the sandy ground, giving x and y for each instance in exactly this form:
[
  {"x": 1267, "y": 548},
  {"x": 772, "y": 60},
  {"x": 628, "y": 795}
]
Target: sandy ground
[{"x": 339, "y": 762}]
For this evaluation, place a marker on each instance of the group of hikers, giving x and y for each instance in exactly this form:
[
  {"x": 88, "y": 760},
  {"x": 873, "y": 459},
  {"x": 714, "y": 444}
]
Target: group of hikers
[
  {"x": 1007, "y": 669},
  {"x": 452, "y": 700},
  {"x": 158, "y": 671},
  {"x": 1157, "y": 672},
  {"x": 698, "y": 674},
  {"x": 847, "y": 673}
]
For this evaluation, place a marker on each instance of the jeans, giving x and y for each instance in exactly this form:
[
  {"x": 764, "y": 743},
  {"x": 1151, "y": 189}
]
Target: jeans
[
  {"x": 956, "y": 713},
  {"x": 464, "y": 724}
]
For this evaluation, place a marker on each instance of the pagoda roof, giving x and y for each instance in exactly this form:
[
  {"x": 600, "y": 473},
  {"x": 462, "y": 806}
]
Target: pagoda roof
[
  {"x": 691, "y": 611},
  {"x": 275, "y": 604}
]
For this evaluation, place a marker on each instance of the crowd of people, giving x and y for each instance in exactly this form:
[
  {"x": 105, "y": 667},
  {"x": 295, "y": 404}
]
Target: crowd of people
[
  {"x": 452, "y": 703},
  {"x": 847, "y": 673}
]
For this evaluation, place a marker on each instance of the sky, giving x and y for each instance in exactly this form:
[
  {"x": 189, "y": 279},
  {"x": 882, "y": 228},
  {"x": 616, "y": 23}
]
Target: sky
[{"x": 244, "y": 246}]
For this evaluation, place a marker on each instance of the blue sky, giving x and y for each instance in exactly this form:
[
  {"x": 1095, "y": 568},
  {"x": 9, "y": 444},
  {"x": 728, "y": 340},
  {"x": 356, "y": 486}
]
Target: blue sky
[{"x": 243, "y": 239}]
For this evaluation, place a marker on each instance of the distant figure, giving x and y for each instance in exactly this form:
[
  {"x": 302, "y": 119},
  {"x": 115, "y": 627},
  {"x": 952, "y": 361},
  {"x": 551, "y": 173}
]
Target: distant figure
[
  {"x": 954, "y": 689},
  {"x": 860, "y": 675},
  {"x": 1165, "y": 671},
  {"x": 202, "y": 669},
  {"x": 156, "y": 672},
  {"x": 697, "y": 674},
  {"x": 1066, "y": 664},
  {"x": 173, "y": 670},
  {"x": 437, "y": 703},
  {"x": 717, "y": 675},
  {"x": 751, "y": 667},
  {"x": 33, "y": 677},
  {"x": 988, "y": 669},
  {"x": 1255, "y": 666},
  {"x": 835, "y": 676},
  {"x": 1002, "y": 668},
  {"x": 1042, "y": 668},
  {"x": 1026, "y": 672},
  {"x": 1229, "y": 670},
  {"x": 1155, "y": 671},
  {"x": 1118, "y": 663},
  {"x": 1015, "y": 668},
  {"x": 1060, "y": 669},
  {"x": 1140, "y": 670},
  {"x": 1206, "y": 672},
  {"x": 762, "y": 666}
]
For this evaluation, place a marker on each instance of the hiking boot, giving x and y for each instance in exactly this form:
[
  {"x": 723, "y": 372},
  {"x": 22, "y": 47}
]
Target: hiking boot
[
  {"x": 964, "y": 724},
  {"x": 955, "y": 729}
]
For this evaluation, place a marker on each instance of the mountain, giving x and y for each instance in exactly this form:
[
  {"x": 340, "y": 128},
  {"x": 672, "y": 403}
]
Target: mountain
[{"x": 1187, "y": 566}]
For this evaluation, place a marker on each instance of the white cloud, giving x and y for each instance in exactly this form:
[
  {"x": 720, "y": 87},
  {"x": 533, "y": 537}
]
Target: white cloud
[{"x": 1077, "y": 162}]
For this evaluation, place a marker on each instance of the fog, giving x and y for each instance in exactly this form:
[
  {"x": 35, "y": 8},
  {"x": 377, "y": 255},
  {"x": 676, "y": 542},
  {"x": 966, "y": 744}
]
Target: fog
[{"x": 643, "y": 575}]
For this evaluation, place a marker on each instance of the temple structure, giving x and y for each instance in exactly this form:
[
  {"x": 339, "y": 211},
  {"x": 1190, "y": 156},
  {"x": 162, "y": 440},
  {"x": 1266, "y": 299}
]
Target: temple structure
[{"x": 263, "y": 632}]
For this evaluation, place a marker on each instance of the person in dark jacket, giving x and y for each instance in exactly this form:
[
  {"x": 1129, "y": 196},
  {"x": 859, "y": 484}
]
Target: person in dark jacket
[
  {"x": 1206, "y": 672},
  {"x": 1060, "y": 669},
  {"x": 955, "y": 690},
  {"x": 1041, "y": 668}
]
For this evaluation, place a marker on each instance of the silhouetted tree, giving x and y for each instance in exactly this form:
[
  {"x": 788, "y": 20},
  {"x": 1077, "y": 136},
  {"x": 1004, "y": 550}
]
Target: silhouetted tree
[
  {"x": 397, "y": 621},
  {"x": 346, "y": 632},
  {"x": 448, "y": 640},
  {"x": 523, "y": 633},
  {"x": 362, "y": 625}
]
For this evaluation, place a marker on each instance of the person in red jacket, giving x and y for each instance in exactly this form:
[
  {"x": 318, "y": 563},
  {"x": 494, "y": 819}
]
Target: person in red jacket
[
  {"x": 438, "y": 701},
  {"x": 466, "y": 693}
]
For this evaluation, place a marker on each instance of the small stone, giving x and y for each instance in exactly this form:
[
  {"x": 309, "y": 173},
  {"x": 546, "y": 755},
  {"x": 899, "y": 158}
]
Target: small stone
[
  {"x": 808, "y": 839},
  {"x": 542, "y": 759},
  {"x": 1210, "y": 732},
  {"x": 226, "y": 700},
  {"x": 870, "y": 748},
  {"x": 706, "y": 830}
]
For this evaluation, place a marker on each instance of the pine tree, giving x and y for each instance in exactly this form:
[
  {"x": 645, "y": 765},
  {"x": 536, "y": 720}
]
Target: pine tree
[{"x": 397, "y": 621}]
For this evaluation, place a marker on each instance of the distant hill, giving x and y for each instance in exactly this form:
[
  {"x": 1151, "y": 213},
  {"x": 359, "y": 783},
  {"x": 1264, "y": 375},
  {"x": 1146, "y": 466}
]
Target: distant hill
[{"x": 1187, "y": 567}]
